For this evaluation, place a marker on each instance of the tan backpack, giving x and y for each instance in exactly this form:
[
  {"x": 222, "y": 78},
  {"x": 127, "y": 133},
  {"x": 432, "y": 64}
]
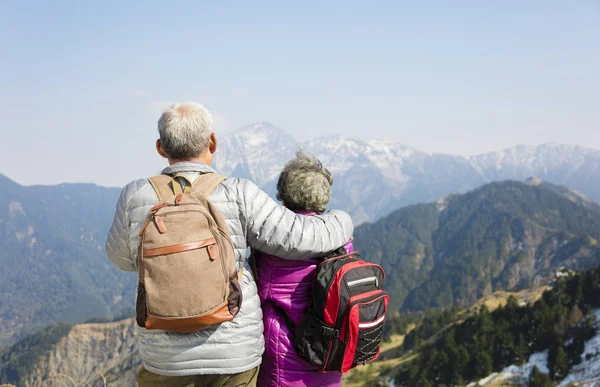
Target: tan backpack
[{"x": 186, "y": 261}]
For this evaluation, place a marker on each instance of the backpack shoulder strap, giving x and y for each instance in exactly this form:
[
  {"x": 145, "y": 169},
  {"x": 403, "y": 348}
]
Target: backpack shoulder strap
[
  {"x": 163, "y": 185},
  {"x": 290, "y": 324},
  {"x": 206, "y": 183}
]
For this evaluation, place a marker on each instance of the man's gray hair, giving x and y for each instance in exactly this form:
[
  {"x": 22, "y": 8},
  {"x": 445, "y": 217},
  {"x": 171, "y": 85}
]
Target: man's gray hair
[
  {"x": 304, "y": 184},
  {"x": 184, "y": 130}
]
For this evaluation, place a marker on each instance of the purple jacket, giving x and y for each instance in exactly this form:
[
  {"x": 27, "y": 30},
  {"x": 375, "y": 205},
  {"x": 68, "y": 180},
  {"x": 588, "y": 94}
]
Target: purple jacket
[{"x": 287, "y": 284}]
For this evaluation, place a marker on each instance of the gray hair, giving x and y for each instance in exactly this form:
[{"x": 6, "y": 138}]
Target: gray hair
[
  {"x": 184, "y": 130},
  {"x": 304, "y": 184}
]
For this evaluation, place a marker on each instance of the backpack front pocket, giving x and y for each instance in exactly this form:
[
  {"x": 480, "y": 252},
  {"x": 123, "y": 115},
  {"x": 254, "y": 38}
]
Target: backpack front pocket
[
  {"x": 369, "y": 336},
  {"x": 363, "y": 329},
  {"x": 184, "y": 280}
]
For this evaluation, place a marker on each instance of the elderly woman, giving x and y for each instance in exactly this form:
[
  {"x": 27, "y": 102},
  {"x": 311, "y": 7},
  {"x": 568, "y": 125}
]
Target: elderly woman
[{"x": 284, "y": 286}]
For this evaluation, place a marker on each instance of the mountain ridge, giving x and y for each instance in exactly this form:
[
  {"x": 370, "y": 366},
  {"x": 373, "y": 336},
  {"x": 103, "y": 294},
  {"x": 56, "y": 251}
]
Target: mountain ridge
[
  {"x": 394, "y": 174},
  {"x": 501, "y": 236}
]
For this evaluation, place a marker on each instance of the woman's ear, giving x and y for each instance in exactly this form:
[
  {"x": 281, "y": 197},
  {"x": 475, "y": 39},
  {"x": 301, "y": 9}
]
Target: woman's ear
[{"x": 160, "y": 150}]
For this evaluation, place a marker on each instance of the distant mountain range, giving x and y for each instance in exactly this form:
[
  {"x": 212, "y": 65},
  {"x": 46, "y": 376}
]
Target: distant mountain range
[
  {"x": 54, "y": 267},
  {"x": 373, "y": 178},
  {"x": 52, "y": 258}
]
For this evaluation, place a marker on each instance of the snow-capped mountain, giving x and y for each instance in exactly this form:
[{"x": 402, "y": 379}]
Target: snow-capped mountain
[
  {"x": 376, "y": 177},
  {"x": 559, "y": 163},
  {"x": 257, "y": 151}
]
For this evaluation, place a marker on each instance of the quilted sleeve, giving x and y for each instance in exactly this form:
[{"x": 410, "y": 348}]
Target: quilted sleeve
[
  {"x": 117, "y": 242},
  {"x": 275, "y": 230}
]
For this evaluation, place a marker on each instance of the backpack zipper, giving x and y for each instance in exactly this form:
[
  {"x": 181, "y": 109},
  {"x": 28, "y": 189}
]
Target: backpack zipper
[{"x": 366, "y": 280}]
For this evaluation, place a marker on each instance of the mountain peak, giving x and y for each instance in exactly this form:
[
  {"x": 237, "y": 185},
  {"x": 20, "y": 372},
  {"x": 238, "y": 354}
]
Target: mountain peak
[
  {"x": 8, "y": 185},
  {"x": 257, "y": 150},
  {"x": 533, "y": 181},
  {"x": 258, "y": 134},
  {"x": 5, "y": 180},
  {"x": 568, "y": 193},
  {"x": 262, "y": 127},
  {"x": 259, "y": 125}
]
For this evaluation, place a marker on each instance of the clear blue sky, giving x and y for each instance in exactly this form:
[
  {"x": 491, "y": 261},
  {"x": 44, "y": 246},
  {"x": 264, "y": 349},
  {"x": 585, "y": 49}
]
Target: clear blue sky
[{"x": 83, "y": 82}]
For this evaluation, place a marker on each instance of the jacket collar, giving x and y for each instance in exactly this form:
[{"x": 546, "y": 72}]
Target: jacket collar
[
  {"x": 307, "y": 213},
  {"x": 186, "y": 166}
]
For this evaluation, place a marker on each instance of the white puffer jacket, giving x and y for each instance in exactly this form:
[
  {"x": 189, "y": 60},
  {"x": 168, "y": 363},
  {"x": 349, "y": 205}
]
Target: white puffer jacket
[{"x": 254, "y": 220}]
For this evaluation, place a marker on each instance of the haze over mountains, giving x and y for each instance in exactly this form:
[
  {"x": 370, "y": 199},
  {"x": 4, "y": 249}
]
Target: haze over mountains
[
  {"x": 52, "y": 237},
  {"x": 373, "y": 178},
  {"x": 443, "y": 251}
]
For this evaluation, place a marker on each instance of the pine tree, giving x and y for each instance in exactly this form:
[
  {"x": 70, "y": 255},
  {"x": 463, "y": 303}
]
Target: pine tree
[
  {"x": 414, "y": 371},
  {"x": 512, "y": 303},
  {"x": 424, "y": 382},
  {"x": 561, "y": 367},
  {"x": 539, "y": 379},
  {"x": 483, "y": 365},
  {"x": 522, "y": 350},
  {"x": 506, "y": 351},
  {"x": 464, "y": 358}
]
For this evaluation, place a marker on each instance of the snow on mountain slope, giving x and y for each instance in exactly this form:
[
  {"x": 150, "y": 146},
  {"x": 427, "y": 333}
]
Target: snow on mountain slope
[
  {"x": 389, "y": 157},
  {"x": 368, "y": 176},
  {"x": 261, "y": 149},
  {"x": 516, "y": 375},
  {"x": 373, "y": 178},
  {"x": 265, "y": 148},
  {"x": 586, "y": 373},
  {"x": 523, "y": 161}
]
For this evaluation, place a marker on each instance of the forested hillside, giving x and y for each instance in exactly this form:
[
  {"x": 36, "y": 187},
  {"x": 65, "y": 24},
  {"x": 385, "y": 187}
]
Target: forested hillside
[
  {"x": 54, "y": 266},
  {"x": 559, "y": 323},
  {"x": 504, "y": 235}
]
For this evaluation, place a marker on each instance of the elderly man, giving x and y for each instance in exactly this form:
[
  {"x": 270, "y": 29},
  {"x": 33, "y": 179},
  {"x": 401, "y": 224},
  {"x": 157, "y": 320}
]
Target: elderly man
[{"x": 227, "y": 354}]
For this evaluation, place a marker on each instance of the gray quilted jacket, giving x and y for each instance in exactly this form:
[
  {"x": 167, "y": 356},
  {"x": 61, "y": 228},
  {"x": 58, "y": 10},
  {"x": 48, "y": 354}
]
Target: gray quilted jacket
[{"x": 254, "y": 220}]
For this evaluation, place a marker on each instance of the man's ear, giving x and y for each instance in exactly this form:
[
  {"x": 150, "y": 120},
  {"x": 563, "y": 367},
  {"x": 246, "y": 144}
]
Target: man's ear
[
  {"x": 212, "y": 143},
  {"x": 160, "y": 150}
]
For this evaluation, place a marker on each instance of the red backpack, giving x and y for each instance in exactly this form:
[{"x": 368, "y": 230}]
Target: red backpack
[{"x": 343, "y": 325}]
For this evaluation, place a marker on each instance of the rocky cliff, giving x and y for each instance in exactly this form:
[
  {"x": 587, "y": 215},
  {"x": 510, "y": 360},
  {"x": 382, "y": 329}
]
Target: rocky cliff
[{"x": 98, "y": 354}]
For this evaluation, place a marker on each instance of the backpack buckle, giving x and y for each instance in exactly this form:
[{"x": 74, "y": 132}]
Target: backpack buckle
[{"x": 327, "y": 331}]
